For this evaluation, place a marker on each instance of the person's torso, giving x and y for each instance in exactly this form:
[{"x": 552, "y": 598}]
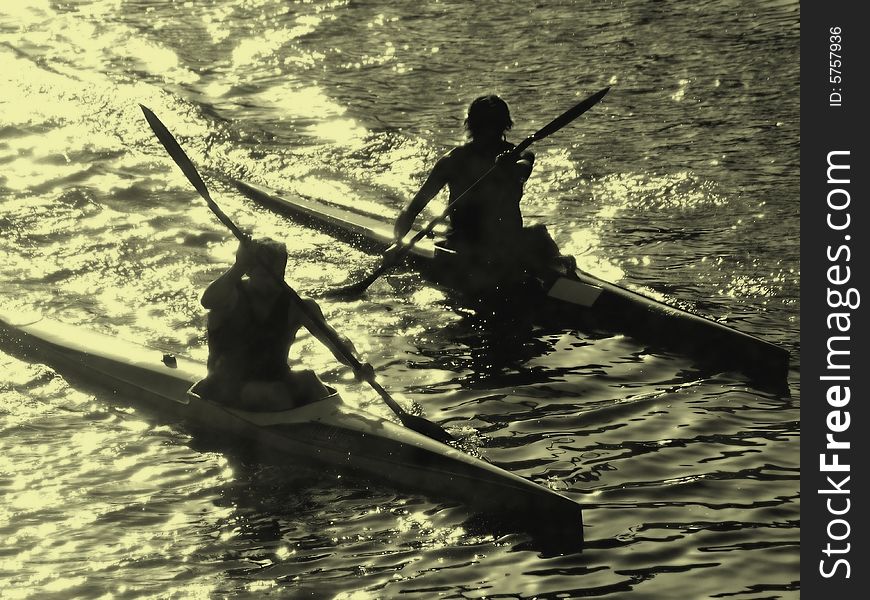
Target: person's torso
[
  {"x": 253, "y": 340},
  {"x": 489, "y": 213}
]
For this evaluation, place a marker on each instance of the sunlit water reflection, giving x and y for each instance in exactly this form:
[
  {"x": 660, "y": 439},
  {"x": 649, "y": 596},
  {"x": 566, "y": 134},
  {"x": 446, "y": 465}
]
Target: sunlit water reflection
[{"x": 678, "y": 185}]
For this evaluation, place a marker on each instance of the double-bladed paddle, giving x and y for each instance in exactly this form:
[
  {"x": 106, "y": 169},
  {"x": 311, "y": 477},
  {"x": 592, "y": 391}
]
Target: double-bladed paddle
[
  {"x": 398, "y": 250},
  {"x": 418, "y": 424}
]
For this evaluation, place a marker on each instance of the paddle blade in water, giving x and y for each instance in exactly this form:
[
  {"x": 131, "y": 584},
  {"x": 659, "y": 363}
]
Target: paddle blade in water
[
  {"x": 427, "y": 428},
  {"x": 351, "y": 291}
]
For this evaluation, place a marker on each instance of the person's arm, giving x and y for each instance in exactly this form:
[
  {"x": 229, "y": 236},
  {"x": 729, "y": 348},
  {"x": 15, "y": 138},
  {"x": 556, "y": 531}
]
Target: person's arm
[
  {"x": 333, "y": 340},
  {"x": 222, "y": 292},
  {"x": 523, "y": 165},
  {"x": 437, "y": 179}
]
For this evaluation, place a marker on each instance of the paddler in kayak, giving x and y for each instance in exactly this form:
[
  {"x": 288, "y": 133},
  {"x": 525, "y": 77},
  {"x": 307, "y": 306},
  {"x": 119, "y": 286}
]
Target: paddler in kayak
[
  {"x": 252, "y": 323},
  {"x": 486, "y": 225}
]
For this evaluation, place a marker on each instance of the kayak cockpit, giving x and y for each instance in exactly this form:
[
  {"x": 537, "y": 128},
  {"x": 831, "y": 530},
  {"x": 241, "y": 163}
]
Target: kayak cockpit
[{"x": 265, "y": 416}]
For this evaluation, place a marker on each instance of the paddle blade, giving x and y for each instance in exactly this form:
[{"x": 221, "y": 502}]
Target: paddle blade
[
  {"x": 174, "y": 149},
  {"x": 186, "y": 165},
  {"x": 570, "y": 114},
  {"x": 346, "y": 292},
  {"x": 389, "y": 259},
  {"x": 426, "y": 427},
  {"x": 353, "y": 290}
]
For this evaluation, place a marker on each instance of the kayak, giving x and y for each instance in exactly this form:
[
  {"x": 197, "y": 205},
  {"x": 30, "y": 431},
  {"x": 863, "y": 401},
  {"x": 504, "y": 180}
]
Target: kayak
[
  {"x": 328, "y": 432},
  {"x": 575, "y": 299}
]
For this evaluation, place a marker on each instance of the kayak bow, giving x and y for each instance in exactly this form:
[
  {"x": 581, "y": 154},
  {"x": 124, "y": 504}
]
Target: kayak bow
[{"x": 328, "y": 432}]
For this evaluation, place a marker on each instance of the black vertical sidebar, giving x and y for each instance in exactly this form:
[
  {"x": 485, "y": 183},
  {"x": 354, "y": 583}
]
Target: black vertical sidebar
[{"x": 835, "y": 300}]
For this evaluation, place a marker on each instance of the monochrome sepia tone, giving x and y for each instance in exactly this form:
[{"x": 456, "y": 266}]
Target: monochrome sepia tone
[{"x": 602, "y": 400}]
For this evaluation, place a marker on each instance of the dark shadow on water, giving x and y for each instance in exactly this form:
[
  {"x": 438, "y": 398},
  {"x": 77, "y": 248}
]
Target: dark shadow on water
[
  {"x": 273, "y": 497},
  {"x": 498, "y": 335},
  {"x": 492, "y": 349},
  {"x": 489, "y": 352},
  {"x": 554, "y": 540}
]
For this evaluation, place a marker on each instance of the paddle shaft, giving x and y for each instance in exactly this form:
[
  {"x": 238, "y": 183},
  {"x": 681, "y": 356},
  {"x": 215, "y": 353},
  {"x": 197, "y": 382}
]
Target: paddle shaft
[
  {"x": 183, "y": 161},
  {"x": 397, "y": 251}
]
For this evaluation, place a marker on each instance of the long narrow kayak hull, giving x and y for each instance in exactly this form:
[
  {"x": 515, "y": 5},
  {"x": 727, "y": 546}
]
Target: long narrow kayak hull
[
  {"x": 328, "y": 432},
  {"x": 579, "y": 300}
]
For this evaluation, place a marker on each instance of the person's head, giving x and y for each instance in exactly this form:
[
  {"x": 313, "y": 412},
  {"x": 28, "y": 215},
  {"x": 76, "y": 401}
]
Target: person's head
[
  {"x": 488, "y": 117},
  {"x": 268, "y": 254}
]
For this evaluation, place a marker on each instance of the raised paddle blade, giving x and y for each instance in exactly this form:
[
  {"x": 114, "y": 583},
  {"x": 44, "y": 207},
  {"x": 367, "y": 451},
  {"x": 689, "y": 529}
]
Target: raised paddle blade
[
  {"x": 174, "y": 149},
  {"x": 187, "y": 167},
  {"x": 569, "y": 115},
  {"x": 395, "y": 253}
]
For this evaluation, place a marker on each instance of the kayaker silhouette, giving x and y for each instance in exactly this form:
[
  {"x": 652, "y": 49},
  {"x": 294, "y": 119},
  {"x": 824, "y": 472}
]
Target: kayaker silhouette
[
  {"x": 486, "y": 225},
  {"x": 252, "y": 322}
]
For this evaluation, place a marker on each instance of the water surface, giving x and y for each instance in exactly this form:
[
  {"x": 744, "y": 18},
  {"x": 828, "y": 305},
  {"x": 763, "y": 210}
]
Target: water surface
[{"x": 682, "y": 184}]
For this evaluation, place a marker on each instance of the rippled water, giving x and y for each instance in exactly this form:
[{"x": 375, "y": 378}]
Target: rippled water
[{"x": 683, "y": 183}]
